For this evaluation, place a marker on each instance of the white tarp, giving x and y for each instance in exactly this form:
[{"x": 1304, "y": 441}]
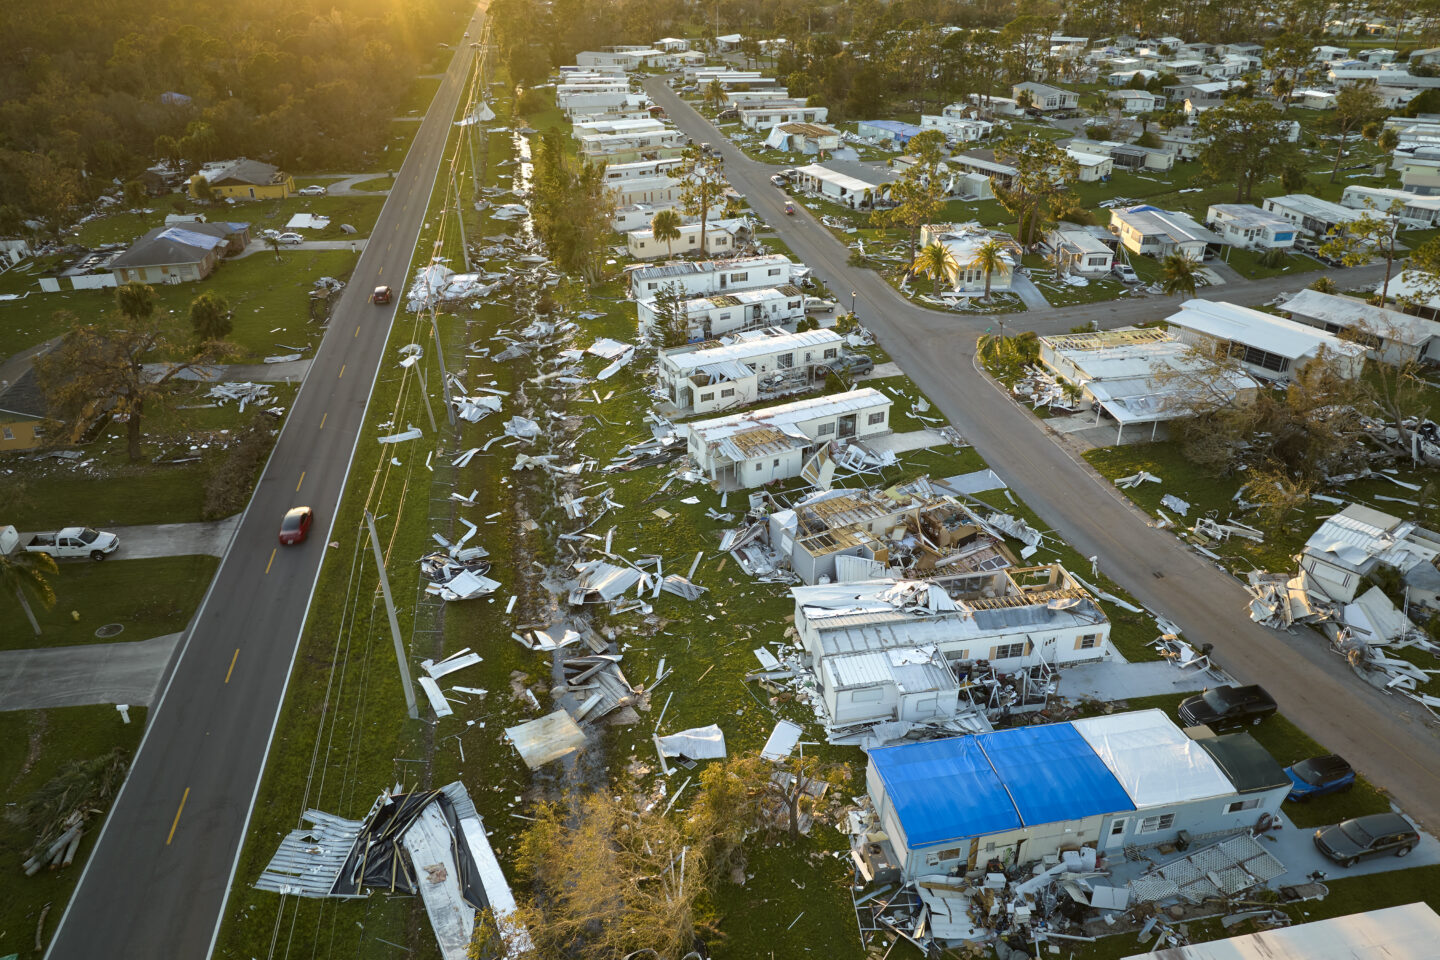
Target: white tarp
[
  {"x": 697, "y": 743},
  {"x": 1153, "y": 759},
  {"x": 307, "y": 221},
  {"x": 549, "y": 738}
]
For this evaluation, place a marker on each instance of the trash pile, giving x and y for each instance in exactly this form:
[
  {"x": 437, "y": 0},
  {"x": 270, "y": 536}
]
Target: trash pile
[
  {"x": 1041, "y": 388},
  {"x": 1363, "y": 624},
  {"x": 430, "y": 842},
  {"x": 999, "y": 908}
]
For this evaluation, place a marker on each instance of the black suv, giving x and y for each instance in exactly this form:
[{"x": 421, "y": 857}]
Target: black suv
[{"x": 1227, "y": 707}]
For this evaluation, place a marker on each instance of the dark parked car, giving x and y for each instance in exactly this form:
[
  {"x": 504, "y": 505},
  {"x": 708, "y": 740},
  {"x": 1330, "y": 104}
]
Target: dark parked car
[
  {"x": 1318, "y": 776},
  {"x": 1350, "y": 842},
  {"x": 852, "y": 364},
  {"x": 296, "y": 525},
  {"x": 1226, "y": 707}
]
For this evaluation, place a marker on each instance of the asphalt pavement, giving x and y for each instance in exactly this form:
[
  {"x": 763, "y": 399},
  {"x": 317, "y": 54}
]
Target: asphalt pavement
[
  {"x": 157, "y": 882},
  {"x": 1389, "y": 739}
]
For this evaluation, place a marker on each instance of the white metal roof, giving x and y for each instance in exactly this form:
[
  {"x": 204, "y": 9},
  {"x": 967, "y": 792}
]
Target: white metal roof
[
  {"x": 1414, "y": 287},
  {"x": 1285, "y": 338},
  {"x": 912, "y": 669},
  {"x": 1153, "y": 759},
  {"x": 843, "y": 180},
  {"x": 789, "y": 414},
  {"x": 751, "y": 347},
  {"x": 1175, "y": 224},
  {"x": 1349, "y": 312},
  {"x": 1409, "y": 932},
  {"x": 1358, "y": 532},
  {"x": 1308, "y": 206},
  {"x": 1248, "y": 215}
]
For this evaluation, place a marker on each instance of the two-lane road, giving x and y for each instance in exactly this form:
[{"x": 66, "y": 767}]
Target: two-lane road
[
  {"x": 1387, "y": 738},
  {"x": 157, "y": 882}
]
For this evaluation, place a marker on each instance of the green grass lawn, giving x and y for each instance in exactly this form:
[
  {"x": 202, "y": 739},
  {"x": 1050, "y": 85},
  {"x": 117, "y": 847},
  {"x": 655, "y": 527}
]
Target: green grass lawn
[
  {"x": 1213, "y": 496},
  {"x": 34, "y": 747},
  {"x": 1247, "y": 263},
  {"x": 270, "y": 300},
  {"x": 149, "y": 597}
]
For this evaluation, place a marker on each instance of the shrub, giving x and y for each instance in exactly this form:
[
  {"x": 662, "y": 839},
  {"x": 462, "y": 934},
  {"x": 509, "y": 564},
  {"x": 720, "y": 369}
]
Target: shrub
[{"x": 230, "y": 482}]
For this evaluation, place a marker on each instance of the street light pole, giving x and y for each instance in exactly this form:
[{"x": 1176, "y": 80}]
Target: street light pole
[{"x": 852, "y": 303}]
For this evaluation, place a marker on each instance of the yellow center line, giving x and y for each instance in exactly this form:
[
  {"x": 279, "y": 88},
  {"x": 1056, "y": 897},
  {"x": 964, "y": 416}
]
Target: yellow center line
[
  {"x": 302, "y": 480},
  {"x": 342, "y": 371},
  {"x": 183, "y": 798},
  {"x": 382, "y": 269},
  {"x": 322, "y": 419},
  {"x": 357, "y": 329},
  {"x": 232, "y": 664},
  {"x": 272, "y": 558}
]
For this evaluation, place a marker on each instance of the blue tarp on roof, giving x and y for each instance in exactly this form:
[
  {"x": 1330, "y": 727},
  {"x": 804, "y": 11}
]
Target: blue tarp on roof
[
  {"x": 1052, "y": 774},
  {"x": 944, "y": 790}
]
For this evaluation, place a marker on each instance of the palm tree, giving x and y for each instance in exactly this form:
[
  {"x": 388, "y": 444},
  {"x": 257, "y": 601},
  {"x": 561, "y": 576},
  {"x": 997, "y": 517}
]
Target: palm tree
[
  {"x": 29, "y": 571},
  {"x": 665, "y": 226},
  {"x": 273, "y": 243},
  {"x": 136, "y": 301},
  {"x": 990, "y": 258},
  {"x": 1179, "y": 274},
  {"x": 715, "y": 94},
  {"x": 1325, "y": 285},
  {"x": 937, "y": 262}
]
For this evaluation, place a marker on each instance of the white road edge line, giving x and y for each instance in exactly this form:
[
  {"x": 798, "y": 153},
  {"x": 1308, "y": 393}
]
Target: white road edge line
[
  {"x": 154, "y": 708},
  {"x": 340, "y": 498}
]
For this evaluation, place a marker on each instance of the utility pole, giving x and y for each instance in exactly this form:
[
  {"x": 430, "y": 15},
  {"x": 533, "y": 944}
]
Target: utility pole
[
  {"x": 444, "y": 377},
  {"x": 425, "y": 393},
  {"x": 460, "y": 219},
  {"x": 394, "y": 623}
]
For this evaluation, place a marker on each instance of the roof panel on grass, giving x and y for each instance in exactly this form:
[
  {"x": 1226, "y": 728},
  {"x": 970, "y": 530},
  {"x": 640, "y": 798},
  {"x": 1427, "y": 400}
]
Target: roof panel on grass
[
  {"x": 944, "y": 790},
  {"x": 1052, "y": 774},
  {"x": 1153, "y": 759}
]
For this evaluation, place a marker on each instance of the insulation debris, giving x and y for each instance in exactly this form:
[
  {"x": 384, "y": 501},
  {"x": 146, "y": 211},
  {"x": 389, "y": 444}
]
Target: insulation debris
[{"x": 697, "y": 743}]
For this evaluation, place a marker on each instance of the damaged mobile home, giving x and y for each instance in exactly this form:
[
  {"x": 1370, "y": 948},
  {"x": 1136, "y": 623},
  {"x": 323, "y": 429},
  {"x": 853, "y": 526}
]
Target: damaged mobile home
[
  {"x": 1105, "y": 784},
  {"x": 752, "y": 449},
  {"x": 855, "y": 636},
  {"x": 764, "y": 365}
]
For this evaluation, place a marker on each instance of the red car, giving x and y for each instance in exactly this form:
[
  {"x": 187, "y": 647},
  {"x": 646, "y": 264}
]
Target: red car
[
  {"x": 381, "y": 295},
  {"x": 296, "y": 525}
]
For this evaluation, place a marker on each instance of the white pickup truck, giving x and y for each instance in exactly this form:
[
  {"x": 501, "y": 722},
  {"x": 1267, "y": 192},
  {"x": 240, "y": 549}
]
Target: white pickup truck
[{"x": 67, "y": 543}]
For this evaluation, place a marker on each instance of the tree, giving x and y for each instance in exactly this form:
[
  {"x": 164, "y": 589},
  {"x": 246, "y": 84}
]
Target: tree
[
  {"x": 135, "y": 194},
  {"x": 990, "y": 258},
  {"x": 918, "y": 194},
  {"x": 1039, "y": 190},
  {"x": 1357, "y": 241},
  {"x": 672, "y": 315},
  {"x": 1325, "y": 285},
  {"x": 23, "y": 572},
  {"x": 572, "y": 207},
  {"x": 1355, "y": 106},
  {"x": 273, "y": 244},
  {"x": 715, "y": 95},
  {"x": 1179, "y": 274},
  {"x": 665, "y": 225},
  {"x": 98, "y": 369},
  {"x": 702, "y": 184},
  {"x": 937, "y": 262},
  {"x": 608, "y": 876},
  {"x": 210, "y": 317},
  {"x": 201, "y": 189},
  {"x": 1247, "y": 142},
  {"x": 135, "y": 301}
]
